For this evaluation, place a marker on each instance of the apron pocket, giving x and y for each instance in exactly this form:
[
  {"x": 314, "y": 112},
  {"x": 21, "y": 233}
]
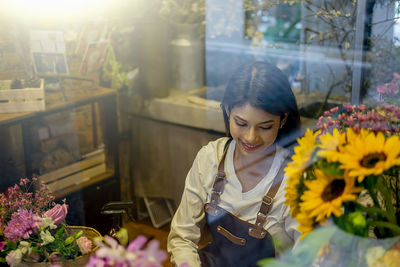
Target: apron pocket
[{"x": 234, "y": 239}]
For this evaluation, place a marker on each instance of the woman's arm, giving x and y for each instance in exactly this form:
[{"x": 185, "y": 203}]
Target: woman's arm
[{"x": 189, "y": 217}]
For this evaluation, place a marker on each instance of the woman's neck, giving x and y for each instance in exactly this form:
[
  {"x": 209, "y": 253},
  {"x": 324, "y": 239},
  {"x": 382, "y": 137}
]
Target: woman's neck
[{"x": 251, "y": 169}]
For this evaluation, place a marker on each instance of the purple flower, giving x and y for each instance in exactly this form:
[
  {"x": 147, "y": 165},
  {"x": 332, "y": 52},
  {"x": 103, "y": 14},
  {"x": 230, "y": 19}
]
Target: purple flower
[
  {"x": 137, "y": 244},
  {"x": 153, "y": 256},
  {"x": 23, "y": 223}
]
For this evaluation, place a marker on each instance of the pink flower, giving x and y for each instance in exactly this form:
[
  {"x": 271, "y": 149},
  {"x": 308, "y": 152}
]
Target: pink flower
[
  {"x": 153, "y": 255},
  {"x": 111, "y": 253},
  {"x": 85, "y": 244},
  {"x": 137, "y": 244},
  {"x": 2, "y": 245},
  {"x": 57, "y": 213}
]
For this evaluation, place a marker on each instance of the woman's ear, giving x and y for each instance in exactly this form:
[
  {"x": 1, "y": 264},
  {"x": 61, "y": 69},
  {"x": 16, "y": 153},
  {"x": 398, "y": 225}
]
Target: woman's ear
[{"x": 284, "y": 119}]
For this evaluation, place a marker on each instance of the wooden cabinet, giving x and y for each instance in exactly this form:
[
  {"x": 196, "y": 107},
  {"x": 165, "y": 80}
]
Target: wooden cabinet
[{"x": 85, "y": 195}]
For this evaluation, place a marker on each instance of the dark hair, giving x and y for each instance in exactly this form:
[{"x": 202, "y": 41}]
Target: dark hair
[{"x": 265, "y": 87}]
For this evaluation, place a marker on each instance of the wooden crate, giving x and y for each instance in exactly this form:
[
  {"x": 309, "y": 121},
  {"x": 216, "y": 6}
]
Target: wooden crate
[
  {"x": 92, "y": 165},
  {"x": 21, "y": 100}
]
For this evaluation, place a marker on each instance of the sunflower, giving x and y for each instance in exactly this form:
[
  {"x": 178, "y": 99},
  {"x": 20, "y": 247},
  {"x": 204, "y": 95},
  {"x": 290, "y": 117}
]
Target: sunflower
[
  {"x": 326, "y": 194},
  {"x": 306, "y": 224},
  {"x": 329, "y": 145},
  {"x": 300, "y": 161},
  {"x": 292, "y": 196},
  {"x": 368, "y": 153},
  {"x": 302, "y": 155}
]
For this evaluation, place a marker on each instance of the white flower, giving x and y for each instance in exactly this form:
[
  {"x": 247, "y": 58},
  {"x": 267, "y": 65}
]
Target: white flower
[
  {"x": 48, "y": 222},
  {"x": 46, "y": 237},
  {"x": 25, "y": 247},
  {"x": 14, "y": 257}
]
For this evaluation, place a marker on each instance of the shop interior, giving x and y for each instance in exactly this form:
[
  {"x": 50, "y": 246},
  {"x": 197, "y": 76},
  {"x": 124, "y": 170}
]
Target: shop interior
[{"x": 117, "y": 97}]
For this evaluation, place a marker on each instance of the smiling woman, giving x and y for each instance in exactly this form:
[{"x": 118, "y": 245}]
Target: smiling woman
[{"x": 234, "y": 186}]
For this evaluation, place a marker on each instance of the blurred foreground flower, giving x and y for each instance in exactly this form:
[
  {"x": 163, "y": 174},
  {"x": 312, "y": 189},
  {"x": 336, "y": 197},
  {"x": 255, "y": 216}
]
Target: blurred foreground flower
[{"x": 137, "y": 253}]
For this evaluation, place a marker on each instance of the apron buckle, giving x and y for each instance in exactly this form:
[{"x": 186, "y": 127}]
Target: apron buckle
[
  {"x": 267, "y": 200},
  {"x": 257, "y": 233}
]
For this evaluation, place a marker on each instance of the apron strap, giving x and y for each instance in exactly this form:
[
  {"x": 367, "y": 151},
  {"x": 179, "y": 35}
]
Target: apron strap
[
  {"x": 258, "y": 231},
  {"x": 218, "y": 183}
]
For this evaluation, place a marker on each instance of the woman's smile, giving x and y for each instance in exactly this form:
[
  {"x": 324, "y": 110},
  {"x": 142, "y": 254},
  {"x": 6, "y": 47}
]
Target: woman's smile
[{"x": 249, "y": 147}]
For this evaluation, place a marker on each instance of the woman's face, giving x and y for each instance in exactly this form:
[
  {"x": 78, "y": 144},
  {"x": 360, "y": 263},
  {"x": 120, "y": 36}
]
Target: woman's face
[{"x": 253, "y": 129}]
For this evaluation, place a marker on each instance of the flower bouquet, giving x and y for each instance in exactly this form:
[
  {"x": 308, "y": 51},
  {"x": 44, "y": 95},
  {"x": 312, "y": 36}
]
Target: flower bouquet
[
  {"x": 33, "y": 228},
  {"x": 346, "y": 175}
]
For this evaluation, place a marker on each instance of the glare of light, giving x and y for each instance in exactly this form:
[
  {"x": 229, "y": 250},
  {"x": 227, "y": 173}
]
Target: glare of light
[{"x": 52, "y": 9}]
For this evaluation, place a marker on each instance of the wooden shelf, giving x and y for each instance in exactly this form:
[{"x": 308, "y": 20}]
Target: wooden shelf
[
  {"x": 71, "y": 189},
  {"x": 54, "y": 103}
]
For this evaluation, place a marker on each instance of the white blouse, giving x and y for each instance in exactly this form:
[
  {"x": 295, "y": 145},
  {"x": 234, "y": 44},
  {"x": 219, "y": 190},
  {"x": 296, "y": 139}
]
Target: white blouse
[{"x": 190, "y": 218}]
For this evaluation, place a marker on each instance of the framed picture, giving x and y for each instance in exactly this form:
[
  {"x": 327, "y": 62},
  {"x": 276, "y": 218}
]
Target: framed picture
[
  {"x": 48, "y": 52},
  {"x": 50, "y": 63}
]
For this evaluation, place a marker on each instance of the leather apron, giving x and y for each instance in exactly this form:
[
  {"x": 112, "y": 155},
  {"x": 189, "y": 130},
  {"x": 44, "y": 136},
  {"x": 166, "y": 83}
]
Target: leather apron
[{"x": 237, "y": 242}]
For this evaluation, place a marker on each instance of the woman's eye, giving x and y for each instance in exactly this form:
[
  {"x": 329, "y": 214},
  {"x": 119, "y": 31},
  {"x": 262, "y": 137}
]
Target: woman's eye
[
  {"x": 266, "y": 128},
  {"x": 240, "y": 124}
]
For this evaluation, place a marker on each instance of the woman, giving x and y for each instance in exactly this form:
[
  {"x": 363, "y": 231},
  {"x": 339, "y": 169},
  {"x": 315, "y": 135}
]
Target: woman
[{"x": 235, "y": 184}]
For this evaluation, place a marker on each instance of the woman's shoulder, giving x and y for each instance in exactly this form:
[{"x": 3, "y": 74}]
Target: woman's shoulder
[
  {"x": 214, "y": 149},
  {"x": 284, "y": 153}
]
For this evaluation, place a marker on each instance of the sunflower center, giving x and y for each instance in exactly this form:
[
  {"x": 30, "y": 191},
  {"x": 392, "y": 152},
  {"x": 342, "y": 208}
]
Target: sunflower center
[
  {"x": 333, "y": 190},
  {"x": 370, "y": 160}
]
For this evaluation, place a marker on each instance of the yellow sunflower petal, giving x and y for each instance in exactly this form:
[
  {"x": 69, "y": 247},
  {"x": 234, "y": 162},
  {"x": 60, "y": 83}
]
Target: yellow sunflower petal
[
  {"x": 326, "y": 194},
  {"x": 368, "y": 153},
  {"x": 329, "y": 144}
]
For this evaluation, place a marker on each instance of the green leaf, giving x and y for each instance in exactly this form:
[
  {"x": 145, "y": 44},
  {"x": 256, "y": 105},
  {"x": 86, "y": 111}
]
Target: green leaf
[{"x": 330, "y": 168}]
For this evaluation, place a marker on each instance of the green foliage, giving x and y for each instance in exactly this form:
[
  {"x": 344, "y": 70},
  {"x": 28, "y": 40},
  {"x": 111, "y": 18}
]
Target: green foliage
[
  {"x": 330, "y": 168},
  {"x": 68, "y": 249},
  {"x": 353, "y": 223}
]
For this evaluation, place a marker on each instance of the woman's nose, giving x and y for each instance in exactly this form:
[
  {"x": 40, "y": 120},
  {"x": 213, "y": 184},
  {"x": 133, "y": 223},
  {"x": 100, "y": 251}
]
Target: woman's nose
[{"x": 251, "y": 136}]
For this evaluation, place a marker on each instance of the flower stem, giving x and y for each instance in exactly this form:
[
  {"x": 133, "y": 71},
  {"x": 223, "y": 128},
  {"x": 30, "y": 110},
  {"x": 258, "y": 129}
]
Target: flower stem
[
  {"x": 394, "y": 228},
  {"x": 388, "y": 200},
  {"x": 372, "y": 194},
  {"x": 373, "y": 211}
]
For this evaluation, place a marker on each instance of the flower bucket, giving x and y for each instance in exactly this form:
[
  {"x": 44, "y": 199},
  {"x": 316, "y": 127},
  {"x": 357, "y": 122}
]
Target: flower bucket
[{"x": 89, "y": 232}]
